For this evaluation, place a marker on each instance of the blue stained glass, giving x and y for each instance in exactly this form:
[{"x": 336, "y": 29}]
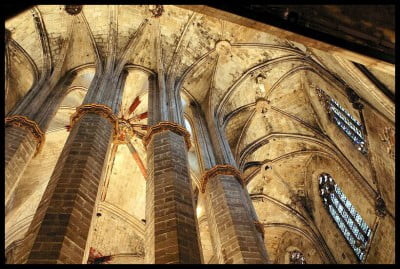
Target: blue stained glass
[
  {"x": 350, "y": 223},
  {"x": 335, "y": 200},
  {"x": 340, "y": 208},
  {"x": 352, "y": 241},
  {"x": 364, "y": 226},
  {"x": 346, "y": 122},
  {"x": 348, "y": 204},
  {"x": 362, "y": 256},
  {"x": 347, "y": 225},
  {"x": 356, "y": 231},
  {"x": 344, "y": 215}
]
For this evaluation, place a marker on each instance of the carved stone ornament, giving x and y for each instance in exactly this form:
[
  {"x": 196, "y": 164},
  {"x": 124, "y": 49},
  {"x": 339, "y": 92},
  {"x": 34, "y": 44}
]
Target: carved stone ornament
[
  {"x": 358, "y": 105},
  {"x": 29, "y": 125},
  {"x": 324, "y": 99},
  {"x": 388, "y": 137},
  {"x": 101, "y": 110},
  {"x": 223, "y": 47},
  {"x": 380, "y": 207},
  {"x": 125, "y": 131},
  {"x": 352, "y": 95},
  {"x": 262, "y": 105},
  {"x": 259, "y": 227},
  {"x": 225, "y": 169},
  {"x": 163, "y": 126},
  {"x": 73, "y": 9},
  {"x": 156, "y": 10}
]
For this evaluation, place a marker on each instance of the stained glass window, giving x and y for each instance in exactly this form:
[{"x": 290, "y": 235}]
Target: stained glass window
[
  {"x": 346, "y": 122},
  {"x": 349, "y": 221}
]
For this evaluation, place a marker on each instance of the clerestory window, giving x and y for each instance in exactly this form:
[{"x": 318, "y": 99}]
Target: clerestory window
[
  {"x": 351, "y": 127},
  {"x": 349, "y": 221}
]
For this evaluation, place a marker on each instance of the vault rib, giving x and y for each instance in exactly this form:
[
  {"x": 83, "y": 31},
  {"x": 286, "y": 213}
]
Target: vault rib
[
  {"x": 172, "y": 65},
  {"x": 244, "y": 129},
  {"x": 234, "y": 86},
  {"x": 44, "y": 41}
]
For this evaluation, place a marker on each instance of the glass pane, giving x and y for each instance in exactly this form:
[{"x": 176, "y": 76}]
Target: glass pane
[
  {"x": 344, "y": 215},
  {"x": 344, "y": 218},
  {"x": 356, "y": 231},
  {"x": 348, "y": 204},
  {"x": 350, "y": 223},
  {"x": 340, "y": 208},
  {"x": 352, "y": 211}
]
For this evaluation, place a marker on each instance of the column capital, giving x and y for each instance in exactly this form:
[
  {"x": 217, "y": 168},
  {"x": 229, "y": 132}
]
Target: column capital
[
  {"x": 220, "y": 169},
  {"x": 29, "y": 125},
  {"x": 99, "y": 109},
  {"x": 163, "y": 126}
]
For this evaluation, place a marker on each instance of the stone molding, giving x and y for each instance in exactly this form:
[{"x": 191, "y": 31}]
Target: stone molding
[
  {"x": 163, "y": 126},
  {"x": 124, "y": 131},
  {"x": 29, "y": 125},
  {"x": 219, "y": 169},
  {"x": 380, "y": 207},
  {"x": 262, "y": 105},
  {"x": 98, "y": 109},
  {"x": 324, "y": 99},
  {"x": 73, "y": 9},
  {"x": 259, "y": 227}
]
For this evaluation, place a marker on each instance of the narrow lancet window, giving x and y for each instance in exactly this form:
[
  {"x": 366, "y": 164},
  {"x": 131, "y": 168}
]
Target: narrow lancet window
[
  {"x": 346, "y": 122},
  {"x": 349, "y": 221}
]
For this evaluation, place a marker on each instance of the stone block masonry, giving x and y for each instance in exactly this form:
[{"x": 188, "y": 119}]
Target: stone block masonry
[
  {"x": 231, "y": 225},
  {"x": 20, "y": 147},
  {"x": 60, "y": 227},
  {"x": 171, "y": 232}
]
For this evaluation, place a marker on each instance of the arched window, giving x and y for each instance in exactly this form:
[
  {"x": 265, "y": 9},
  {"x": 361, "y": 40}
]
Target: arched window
[
  {"x": 350, "y": 223},
  {"x": 296, "y": 257},
  {"x": 347, "y": 123}
]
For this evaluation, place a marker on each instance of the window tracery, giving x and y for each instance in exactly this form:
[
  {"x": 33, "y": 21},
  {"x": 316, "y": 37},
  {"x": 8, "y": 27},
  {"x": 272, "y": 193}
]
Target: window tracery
[
  {"x": 296, "y": 257},
  {"x": 344, "y": 120},
  {"x": 349, "y": 221}
]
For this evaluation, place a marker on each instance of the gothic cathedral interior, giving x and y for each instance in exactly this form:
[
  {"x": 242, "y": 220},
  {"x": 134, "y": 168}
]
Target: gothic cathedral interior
[{"x": 190, "y": 134}]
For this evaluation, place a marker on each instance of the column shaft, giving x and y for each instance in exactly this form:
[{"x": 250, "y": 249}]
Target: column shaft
[
  {"x": 20, "y": 147},
  {"x": 171, "y": 233},
  {"x": 61, "y": 224},
  {"x": 232, "y": 226}
]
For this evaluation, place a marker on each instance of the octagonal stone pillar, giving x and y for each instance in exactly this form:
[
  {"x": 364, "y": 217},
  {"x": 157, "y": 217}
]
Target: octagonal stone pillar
[
  {"x": 60, "y": 227},
  {"x": 171, "y": 234}
]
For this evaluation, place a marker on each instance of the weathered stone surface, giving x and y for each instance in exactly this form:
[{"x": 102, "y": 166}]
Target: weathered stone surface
[
  {"x": 171, "y": 233},
  {"x": 20, "y": 147},
  {"x": 232, "y": 227},
  {"x": 61, "y": 224}
]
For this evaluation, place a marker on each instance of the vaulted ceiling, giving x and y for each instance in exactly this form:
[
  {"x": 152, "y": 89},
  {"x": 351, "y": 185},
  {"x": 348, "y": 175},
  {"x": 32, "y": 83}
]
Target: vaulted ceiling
[{"x": 216, "y": 63}]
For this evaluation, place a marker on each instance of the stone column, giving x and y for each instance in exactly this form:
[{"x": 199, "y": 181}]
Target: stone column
[
  {"x": 171, "y": 229},
  {"x": 24, "y": 131},
  {"x": 23, "y": 138},
  {"x": 60, "y": 227},
  {"x": 237, "y": 235}
]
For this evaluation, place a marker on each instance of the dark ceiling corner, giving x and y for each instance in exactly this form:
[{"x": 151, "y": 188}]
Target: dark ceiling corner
[
  {"x": 364, "y": 29},
  {"x": 11, "y": 10}
]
